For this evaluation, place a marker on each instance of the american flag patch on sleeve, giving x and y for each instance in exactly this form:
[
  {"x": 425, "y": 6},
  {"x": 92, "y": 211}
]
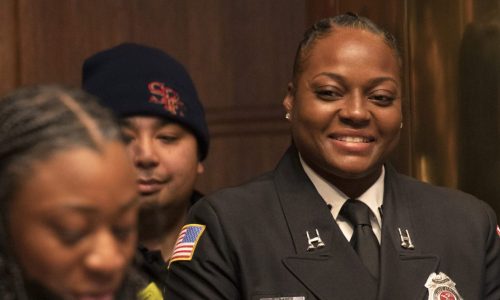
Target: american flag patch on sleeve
[{"x": 186, "y": 242}]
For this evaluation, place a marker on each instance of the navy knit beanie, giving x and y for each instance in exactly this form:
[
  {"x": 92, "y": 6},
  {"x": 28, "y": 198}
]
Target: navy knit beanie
[{"x": 133, "y": 80}]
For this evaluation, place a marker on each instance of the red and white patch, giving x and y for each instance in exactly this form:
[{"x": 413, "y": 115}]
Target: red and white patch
[
  {"x": 447, "y": 295},
  {"x": 166, "y": 96},
  {"x": 498, "y": 231}
]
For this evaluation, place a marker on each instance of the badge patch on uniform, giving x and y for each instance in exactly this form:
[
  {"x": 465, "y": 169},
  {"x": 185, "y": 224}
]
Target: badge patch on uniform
[
  {"x": 441, "y": 287},
  {"x": 186, "y": 242},
  {"x": 151, "y": 292}
]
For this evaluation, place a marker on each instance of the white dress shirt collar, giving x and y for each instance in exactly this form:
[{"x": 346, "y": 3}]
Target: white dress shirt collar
[{"x": 373, "y": 196}]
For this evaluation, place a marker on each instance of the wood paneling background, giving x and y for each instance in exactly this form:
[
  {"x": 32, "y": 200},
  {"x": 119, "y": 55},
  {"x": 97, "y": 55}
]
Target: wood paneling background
[
  {"x": 240, "y": 55},
  {"x": 8, "y": 45}
]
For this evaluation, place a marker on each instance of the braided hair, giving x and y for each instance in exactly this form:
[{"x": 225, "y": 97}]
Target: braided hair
[
  {"x": 323, "y": 27},
  {"x": 35, "y": 123}
]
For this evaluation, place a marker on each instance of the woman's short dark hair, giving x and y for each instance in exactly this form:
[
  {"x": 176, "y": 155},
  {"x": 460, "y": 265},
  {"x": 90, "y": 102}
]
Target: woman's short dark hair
[{"x": 321, "y": 29}]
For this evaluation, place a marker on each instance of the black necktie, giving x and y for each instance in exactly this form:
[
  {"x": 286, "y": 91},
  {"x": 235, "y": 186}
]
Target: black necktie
[{"x": 363, "y": 240}]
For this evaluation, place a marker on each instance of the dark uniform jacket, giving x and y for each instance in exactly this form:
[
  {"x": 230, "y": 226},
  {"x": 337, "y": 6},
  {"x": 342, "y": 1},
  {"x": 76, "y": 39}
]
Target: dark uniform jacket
[{"x": 255, "y": 245}]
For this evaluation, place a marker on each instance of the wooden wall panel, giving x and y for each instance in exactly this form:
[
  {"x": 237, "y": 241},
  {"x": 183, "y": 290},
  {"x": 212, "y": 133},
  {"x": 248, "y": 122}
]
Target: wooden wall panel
[
  {"x": 245, "y": 142},
  {"x": 8, "y": 45},
  {"x": 239, "y": 53},
  {"x": 238, "y": 158},
  {"x": 56, "y": 35},
  {"x": 434, "y": 34}
]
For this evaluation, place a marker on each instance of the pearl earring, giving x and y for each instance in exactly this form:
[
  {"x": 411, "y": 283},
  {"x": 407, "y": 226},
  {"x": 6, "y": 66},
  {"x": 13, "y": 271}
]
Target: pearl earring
[{"x": 287, "y": 116}]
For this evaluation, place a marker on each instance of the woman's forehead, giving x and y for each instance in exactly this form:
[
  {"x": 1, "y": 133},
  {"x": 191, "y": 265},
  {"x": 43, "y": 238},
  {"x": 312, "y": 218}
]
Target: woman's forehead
[
  {"x": 348, "y": 48},
  {"x": 80, "y": 176}
]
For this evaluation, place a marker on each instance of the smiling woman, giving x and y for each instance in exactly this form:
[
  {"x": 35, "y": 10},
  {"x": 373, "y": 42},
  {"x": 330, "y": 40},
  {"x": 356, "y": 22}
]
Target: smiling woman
[
  {"x": 334, "y": 220},
  {"x": 345, "y": 108},
  {"x": 68, "y": 199}
]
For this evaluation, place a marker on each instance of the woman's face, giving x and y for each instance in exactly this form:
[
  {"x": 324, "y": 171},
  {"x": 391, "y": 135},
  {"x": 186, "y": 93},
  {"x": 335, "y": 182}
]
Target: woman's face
[
  {"x": 346, "y": 105},
  {"x": 73, "y": 222}
]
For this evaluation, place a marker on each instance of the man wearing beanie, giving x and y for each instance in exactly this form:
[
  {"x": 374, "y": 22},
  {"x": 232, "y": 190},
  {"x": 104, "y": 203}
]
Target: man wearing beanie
[{"x": 163, "y": 124}]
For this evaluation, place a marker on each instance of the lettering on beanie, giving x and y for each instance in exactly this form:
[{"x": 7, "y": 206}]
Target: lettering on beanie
[{"x": 166, "y": 96}]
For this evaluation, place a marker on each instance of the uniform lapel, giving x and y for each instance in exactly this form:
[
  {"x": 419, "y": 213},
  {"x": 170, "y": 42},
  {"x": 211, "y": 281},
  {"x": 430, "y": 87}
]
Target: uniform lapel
[
  {"x": 403, "y": 271},
  {"x": 333, "y": 271}
]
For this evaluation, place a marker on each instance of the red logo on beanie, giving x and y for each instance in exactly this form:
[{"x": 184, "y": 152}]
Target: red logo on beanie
[{"x": 167, "y": 97}]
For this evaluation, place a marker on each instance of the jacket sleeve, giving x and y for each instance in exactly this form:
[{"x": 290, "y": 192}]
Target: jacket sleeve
[
  {"x": 492, "y": 263},
  {"x": 210, "y": 272}
]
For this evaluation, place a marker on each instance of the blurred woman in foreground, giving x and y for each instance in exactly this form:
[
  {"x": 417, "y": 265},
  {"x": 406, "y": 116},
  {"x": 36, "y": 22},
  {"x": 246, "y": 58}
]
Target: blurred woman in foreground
[{"x": 67, "y": 196}]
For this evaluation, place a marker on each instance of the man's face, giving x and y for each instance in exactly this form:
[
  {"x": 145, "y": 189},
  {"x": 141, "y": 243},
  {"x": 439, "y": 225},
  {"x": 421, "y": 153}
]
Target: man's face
[{"x": 165, "y": 156}]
